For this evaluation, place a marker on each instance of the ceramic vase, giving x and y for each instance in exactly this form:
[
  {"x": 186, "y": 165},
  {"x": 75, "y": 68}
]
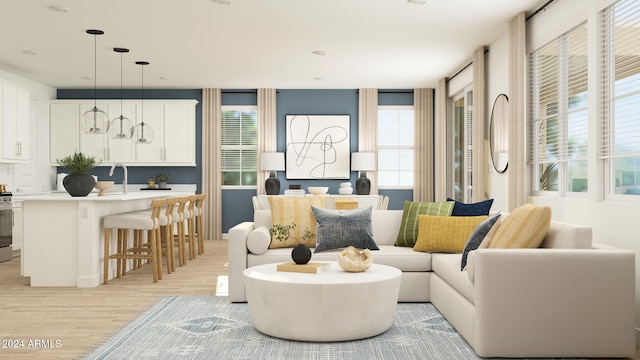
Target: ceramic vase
[
  {"x": 301, "y": 254},
  {"x": 78, "y": 184}
]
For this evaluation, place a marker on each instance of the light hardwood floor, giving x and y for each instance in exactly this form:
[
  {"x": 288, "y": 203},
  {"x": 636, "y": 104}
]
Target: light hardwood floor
[{"x": 79, "y": 319}]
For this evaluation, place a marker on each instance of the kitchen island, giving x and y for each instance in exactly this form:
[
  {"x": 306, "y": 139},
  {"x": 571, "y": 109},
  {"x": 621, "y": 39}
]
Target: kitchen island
[{"x": 63, "y": 237}]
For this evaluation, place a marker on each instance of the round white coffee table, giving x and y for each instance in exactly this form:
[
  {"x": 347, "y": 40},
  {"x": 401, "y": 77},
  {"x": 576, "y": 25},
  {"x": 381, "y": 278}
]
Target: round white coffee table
[{"x": 332, "y": 305}]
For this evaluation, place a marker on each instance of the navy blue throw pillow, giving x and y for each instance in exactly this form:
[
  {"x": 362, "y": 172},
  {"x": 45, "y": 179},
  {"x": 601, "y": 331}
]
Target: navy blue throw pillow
[{"x": 475, "y": 209}]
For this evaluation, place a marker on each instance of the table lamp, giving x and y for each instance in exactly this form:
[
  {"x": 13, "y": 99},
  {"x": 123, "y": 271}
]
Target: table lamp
[
  {"x": 363, "y": 162},
  {"x": 272, "y": 162}
]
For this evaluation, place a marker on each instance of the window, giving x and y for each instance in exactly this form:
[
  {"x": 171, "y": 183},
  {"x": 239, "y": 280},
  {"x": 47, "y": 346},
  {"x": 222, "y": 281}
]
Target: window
[
  {"x": 239, "y": 146},
  {"x": 461, "y": 156},
  {"x": 558, "y": 113},
  {"x": 621, "y": 98},
  {"x": 395, "y": 146}
]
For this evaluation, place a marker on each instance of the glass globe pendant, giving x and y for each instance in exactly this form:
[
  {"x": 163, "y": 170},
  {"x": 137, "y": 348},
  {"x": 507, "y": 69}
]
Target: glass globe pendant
[
  {"x": 94, "y": 120},
  {"x": 142, "y": 133},
  {"x": 121, "y": 127}
]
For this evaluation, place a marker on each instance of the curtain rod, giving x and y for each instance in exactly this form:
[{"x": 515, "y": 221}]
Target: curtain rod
[
  {"x": 541, "y": 8},
  {"x": 486, "y": 50},
  {"x": 239, "y": 92},
  {"x": 459, "y": 71}
]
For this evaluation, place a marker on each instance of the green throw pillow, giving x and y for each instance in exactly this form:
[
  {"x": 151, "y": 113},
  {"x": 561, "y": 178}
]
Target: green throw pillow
[{"x": 409, "y": 227}]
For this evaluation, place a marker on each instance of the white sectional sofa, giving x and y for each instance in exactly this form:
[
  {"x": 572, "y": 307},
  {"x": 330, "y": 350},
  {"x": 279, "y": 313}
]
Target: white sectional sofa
[{"x": 569, "y": 298}]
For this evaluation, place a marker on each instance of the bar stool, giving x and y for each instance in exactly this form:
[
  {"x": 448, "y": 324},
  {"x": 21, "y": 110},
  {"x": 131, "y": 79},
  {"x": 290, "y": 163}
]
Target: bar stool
[
  {"x": 190, "y": 218},
  {"x": 165, "y": 231},
  {"x": 199, "y": 223},
  {"x": 138, "y": 223},
  {"x": 179, "y": 234}
]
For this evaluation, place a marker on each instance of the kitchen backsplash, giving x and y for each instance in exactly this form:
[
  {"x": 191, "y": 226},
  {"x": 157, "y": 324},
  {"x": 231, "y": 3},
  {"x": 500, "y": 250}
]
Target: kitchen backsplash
[{"x": 6, "y": 175}]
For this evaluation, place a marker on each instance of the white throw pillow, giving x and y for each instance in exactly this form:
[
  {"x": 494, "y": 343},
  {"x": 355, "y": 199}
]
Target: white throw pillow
[{"x": 258, "y": 240}]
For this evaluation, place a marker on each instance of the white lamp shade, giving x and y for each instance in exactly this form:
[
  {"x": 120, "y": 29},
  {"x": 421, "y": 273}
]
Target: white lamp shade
[
  {"x": 272, "y": 161},
  {"x": 363, "y": 161}
]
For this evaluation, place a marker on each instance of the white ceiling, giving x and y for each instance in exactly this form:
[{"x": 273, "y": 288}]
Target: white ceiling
[{"x": 249, "y": 44}]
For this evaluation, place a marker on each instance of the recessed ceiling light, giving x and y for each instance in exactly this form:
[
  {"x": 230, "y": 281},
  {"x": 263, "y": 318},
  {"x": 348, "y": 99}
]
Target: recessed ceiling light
[
  {"x": 319, "y": 53},
  {"x": 164, "y": 78},
  {"x": 89, "y": 78},
  {"x": 29, "y": 52},
  {"x": 60, "y": 8},
  {"x": 318, "y": 78},
  {"x": 223, "y": 2},
  {"x": 417, "y": 2}
]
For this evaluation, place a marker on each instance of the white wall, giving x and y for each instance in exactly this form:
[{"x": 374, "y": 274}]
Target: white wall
[
  {"x": 40, "y": 95},
  {"x": 497, "y": 71},
  {"x": 613, "y": 222}
]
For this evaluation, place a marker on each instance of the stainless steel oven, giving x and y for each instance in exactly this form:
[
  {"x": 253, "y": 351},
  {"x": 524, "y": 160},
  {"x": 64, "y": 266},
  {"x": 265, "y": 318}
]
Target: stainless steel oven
[{"x": 6, "y": 226}]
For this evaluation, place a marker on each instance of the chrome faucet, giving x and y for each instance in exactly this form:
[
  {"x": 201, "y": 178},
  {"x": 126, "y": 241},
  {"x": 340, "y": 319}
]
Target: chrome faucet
[{"x": 124, "y": 182}]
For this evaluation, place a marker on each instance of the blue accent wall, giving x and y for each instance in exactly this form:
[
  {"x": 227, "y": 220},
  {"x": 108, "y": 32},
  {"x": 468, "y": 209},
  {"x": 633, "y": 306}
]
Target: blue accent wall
[{"x": 236, "y": 204}]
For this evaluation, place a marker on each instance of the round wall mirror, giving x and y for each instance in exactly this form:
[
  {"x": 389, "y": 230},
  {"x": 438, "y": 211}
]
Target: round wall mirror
[{"x": 499, "y": 133}]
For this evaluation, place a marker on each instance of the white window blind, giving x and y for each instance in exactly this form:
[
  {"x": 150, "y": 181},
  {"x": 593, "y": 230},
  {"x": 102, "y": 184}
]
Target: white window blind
[
  {"x": 558, "y": 100},
  {"x": 621, "y": 61},
  {"x": 395, "y": 146},
  {"x": 239, "y": 146}
]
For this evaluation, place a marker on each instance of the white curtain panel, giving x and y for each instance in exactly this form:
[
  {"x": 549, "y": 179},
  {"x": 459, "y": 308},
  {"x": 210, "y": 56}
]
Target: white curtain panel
[
  {"x": 267, "y": 131},
  {"x": 478, "y": 133},
  {"x": 440, "y": 142},
  {"x": 211, "y": 163},
  {"x": 423, "y": 166},
  {"x": 517, "y": 116},
  {"x": 368, "y": 128}
]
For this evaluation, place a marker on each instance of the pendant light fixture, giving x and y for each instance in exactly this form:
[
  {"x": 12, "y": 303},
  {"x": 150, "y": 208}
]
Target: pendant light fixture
[
  {"x": 142, "y": 133},
  {"x": 94, "y": 120},
  {"x": 121, "y": 127}
]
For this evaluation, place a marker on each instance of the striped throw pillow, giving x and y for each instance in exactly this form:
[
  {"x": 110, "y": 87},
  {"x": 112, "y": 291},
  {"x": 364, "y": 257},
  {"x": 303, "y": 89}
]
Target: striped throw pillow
[
  {"x": 525, "y": 227},
  {"x": 408, "y": 233},
  {"x": 294, "y": 210}
]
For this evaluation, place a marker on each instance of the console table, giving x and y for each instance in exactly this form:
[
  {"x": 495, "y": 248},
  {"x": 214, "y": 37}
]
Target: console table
[{"x": 261, "y": 202}]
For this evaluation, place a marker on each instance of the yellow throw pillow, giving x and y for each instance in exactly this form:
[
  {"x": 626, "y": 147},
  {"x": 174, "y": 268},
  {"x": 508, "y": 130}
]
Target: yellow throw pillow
[
  {"x": 445, "y": 233},
  {"x": 294, "y": 210},
  {"x": 525, "y": 227}
]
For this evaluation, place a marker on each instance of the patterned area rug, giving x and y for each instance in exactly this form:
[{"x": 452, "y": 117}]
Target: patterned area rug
[{"x": 205, "y": 327}]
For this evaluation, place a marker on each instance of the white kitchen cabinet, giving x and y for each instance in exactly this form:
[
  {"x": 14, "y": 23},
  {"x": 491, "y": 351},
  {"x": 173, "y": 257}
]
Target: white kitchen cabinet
[
  {"x": 173, "y": 123},
  {"x": 153, "y": 115},
  {"x": 64, "y": 130},
  {"x": 14, "y": 116},
  {"x": 180, "y": 132}
]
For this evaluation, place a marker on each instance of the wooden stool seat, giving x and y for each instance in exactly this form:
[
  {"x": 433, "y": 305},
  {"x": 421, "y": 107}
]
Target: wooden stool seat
[{"x": 138, "y": 222}]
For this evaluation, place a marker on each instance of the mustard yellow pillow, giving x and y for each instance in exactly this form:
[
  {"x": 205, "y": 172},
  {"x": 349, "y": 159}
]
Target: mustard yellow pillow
[
  {"x": 445, "y": 233},
  {"x": 286, "y": 211},
  {"x": 525, "y": 227}
]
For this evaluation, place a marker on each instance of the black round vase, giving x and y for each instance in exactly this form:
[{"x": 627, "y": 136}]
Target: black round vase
[
  {"x": 301, "y": 254},
  {"x": 78, "y": 184}
]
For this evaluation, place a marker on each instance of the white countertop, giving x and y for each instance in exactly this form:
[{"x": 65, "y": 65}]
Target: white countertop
[{"x": 111, "y": 196}]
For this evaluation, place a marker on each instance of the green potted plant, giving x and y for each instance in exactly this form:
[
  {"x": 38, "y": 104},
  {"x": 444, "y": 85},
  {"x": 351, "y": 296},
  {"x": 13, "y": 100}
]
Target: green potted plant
[
  {"x": 79, "y": 182},
  {"x": 162, "y": 179}
]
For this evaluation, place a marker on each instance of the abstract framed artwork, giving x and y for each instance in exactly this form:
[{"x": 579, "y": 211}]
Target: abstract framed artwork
[{"x": 318, "y": 147}]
